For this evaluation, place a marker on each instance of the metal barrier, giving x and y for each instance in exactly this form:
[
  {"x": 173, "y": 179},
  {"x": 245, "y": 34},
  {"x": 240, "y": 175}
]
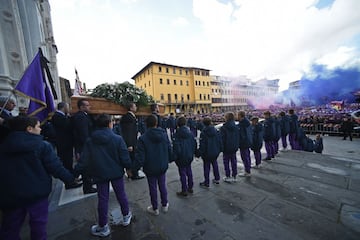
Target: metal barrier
[
  {"x": 323, "y": 128},
  {"x": 332, "y": 129}
]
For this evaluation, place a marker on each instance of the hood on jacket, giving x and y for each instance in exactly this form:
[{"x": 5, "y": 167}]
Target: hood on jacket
[
  {"x": 210, "y": 131},
  {"x": 101, "y": 136},
  {"x": 230, "y": 125},
  {"x": 244, "y": 123},
  {"x": 294, "y": 117},
  {"x": 155, "y": 134},
  {"x": 20, "y": 141},
  {"x": 184, "y": 132},
  {"x": 270, "y": 120}
]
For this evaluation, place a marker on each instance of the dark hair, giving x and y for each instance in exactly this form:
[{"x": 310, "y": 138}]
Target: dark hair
[
  {"x": 129, "y": 105},
  {"x": 80, "y": 102},
  {"x": 291, "y": 111},
  {"x": 181, "y": 121},
  {"x": 153, "y": 106},
  {"x": 102, "y": 120},
  {"x": 61, "y": 105},
  {"x": 282, "y": 113},
  {"x": 207, "y": 121},
  {"x": 229, "y": 116},
  {"x": 151, "y": 121},
  {"x": 241, "y": 114},
  {"x": 20, "y": 123}
]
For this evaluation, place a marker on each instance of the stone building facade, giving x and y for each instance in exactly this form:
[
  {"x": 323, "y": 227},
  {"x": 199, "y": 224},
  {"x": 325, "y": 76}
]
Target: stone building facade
[{"x": 25, "y": 26}]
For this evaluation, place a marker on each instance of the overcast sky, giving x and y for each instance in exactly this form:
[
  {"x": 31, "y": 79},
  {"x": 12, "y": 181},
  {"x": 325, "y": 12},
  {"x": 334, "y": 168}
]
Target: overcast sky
[{"x": 111, "y": 40}]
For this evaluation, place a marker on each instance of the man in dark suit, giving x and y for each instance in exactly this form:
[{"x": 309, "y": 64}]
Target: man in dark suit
[
  {"x": 155, "y": 111},
  {"x": 347, "y": 128},
  {"x": 129, "y": 129},
  {"x": 6, "y": 106},
  {"x": 82, "y": 127},
  {"x": 64, "y": 139}
]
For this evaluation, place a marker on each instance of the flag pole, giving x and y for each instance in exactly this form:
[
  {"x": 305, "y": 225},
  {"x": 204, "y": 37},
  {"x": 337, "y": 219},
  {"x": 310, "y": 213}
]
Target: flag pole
[{"x": 44, "y": 62}]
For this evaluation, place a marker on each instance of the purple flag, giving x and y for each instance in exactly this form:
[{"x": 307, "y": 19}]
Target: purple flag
[{"x": 33, "y": 85}]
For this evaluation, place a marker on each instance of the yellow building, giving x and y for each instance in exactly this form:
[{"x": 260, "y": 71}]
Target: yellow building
[{"x": 180, "y": 89}]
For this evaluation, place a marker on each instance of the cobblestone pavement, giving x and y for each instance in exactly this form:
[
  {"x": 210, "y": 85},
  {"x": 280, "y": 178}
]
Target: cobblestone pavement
[{"x": 298, "y": 195}]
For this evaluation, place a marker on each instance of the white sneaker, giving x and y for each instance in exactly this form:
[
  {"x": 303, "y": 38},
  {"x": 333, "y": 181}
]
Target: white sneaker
[
  {"x": 227, "y": 179},
  {"x": 165, "y": 208},
  {"x": 245, "y": 174},
  {"x": 257, "y": 166},
  {"x": 152, "y": 211},
  {"x": 127, "y": 219},
  {"x": 104, "y": 231},
  {"x": 234, "y": 180}
]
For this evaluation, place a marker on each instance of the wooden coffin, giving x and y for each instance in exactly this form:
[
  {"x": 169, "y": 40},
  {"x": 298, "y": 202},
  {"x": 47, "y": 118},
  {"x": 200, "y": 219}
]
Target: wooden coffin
[{"x": 102, "y": 105}]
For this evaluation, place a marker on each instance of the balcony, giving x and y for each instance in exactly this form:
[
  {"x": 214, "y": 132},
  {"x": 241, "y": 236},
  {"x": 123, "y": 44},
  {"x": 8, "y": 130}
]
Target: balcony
[{"x": 184, "y": 102}]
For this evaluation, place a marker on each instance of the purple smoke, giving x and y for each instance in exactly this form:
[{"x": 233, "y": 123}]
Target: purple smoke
[{"x": 323, "y": 86}]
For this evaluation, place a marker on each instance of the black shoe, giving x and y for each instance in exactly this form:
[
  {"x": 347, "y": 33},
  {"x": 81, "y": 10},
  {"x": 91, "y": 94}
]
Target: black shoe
[
  {"x": 89, "y": 190},
  {"x": 267, "y": 159},
  {"x": 203, "y": 184},
  {"x": 216, "y": 181},
  {"x": 190, "y": 190},
  {"x": 181, "y": 194},
  {"x": 137, "y": 177},
  {"x": 73, "y": 185}
]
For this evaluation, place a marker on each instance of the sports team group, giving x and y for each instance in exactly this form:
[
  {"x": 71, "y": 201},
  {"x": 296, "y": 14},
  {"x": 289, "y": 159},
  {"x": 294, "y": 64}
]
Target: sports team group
[{"x": 106, "y": 152}]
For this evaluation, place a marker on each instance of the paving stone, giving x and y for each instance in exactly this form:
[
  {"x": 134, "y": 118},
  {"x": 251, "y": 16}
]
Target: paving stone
[{"x": 298, "y": 195}]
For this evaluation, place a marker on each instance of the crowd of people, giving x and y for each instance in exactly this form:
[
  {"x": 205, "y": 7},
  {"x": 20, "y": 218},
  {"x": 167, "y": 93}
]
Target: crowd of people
[{"x": 103, "y": 150}]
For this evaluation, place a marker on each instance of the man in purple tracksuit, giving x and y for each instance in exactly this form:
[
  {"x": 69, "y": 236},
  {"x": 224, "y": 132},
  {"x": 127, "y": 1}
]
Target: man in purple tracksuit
[
  {"x": 277, "y": 134},
  {"x": 269, "y": 135},
  {"x": 104, "y": 157},
  {"x": 184, "y": 146},
  {"x": 230, "y": 139},
  {"x": 245, "y": 142},
  {"x": 171, "y": 124},
  {"x": 154, "y": 154},
  {"x": 257, "y": 141},
  {"x": 209, "y": 150},
  {"x": 27, "y": 166},
  {"x": 284, "y": 128},
  {"x": 294, "y": 129}
]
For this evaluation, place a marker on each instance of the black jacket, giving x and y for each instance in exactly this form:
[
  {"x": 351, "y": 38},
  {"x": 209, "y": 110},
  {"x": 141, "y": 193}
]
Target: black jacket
[
  {"x": 230, "y": 137},
  {"x": 104, "y": 156},
  {"x": 210, "y": 144},
  {"x": 82, "y": 126},
  {"x": 63, "y": 130},
  {"x": 129, "y": 127},
  {"x": 27, "y": 165},
  {"x": 154, "y": 152},
  {"x": 184, "y": 146}
]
